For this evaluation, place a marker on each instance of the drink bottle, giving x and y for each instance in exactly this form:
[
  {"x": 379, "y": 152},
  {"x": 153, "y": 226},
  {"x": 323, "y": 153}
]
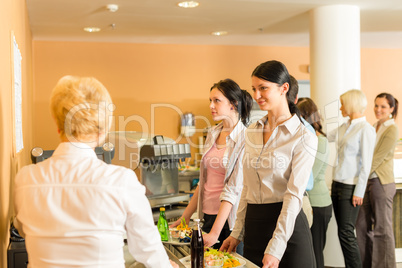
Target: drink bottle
[
  {"x": 163, "y": 226},
  {"x": 197, "y": 246}
]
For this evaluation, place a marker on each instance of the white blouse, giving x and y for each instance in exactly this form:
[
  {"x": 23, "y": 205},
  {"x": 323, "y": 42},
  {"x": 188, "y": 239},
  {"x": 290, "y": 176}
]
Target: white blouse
[
  {"x": 355, "y": 147},
  {"x": 277, "y": 171},
  {"x": 74, "y": 210}
]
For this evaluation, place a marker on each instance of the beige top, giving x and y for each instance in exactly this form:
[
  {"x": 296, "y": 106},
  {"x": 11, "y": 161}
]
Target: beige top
[{"x": 383, "y": 158}]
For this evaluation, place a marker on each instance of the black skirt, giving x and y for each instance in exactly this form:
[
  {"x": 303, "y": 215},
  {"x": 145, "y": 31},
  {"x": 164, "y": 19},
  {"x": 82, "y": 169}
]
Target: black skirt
[{"x": 260, "y": 224}]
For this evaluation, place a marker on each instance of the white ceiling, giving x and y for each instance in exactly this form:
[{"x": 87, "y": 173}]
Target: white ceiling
[{"x": 249, "y": 22}]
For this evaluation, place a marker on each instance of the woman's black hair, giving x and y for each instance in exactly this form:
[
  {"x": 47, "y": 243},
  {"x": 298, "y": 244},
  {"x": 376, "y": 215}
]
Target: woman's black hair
[
  {"x": 275, "y": 71},
  {"x": 240, "y": 99},
  {"x": 309, "y": 112},
  {"x": 393, "y": 102}
]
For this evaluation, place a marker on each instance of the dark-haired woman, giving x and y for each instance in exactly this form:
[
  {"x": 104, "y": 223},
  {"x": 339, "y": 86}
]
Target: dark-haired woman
[
  {"x": 319, "y": 196},
  {"x": 374, "y": 224},
  {"x": 221, "y": 173},
  {"x": 279, "y": 156}
]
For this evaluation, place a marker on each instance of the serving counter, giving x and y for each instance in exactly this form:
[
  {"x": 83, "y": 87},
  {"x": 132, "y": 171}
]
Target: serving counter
[
  {"x": 397, "y": 216},
  {"x": 182, "y": 262},
  {"x": 131, "y": 263}
]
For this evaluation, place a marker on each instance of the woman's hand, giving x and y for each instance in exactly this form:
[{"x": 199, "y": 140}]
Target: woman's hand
[
  {"x": 174, "y": 265},
  {"x": 175, "y": 223},
  {"x": 357, "y": 201},
  {"x": 229, "y": 244},
  {"x": 210, "y": 239},
  {"x": 270, "y": 261}
]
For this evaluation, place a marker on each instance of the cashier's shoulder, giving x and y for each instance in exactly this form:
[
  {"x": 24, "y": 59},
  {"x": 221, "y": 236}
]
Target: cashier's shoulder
[
  {"x": 22, "y": 174},
  {"x": 123, "y": 176}
]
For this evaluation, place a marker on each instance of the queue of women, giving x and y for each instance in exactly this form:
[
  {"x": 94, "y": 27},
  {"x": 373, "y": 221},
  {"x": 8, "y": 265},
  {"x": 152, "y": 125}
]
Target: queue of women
[
  {"x": 264, "y": 180},
  {"x": 253, "y": 179}
]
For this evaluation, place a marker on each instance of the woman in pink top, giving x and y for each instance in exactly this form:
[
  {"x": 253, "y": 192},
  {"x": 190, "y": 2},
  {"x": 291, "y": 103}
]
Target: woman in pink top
[{"x": 221, "y": 173}]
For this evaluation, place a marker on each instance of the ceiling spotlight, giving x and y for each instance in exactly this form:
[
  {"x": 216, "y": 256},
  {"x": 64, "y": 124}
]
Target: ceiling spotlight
[
  {"x": 219, "y": 33},
  {"x": 188, "y": 4},
  {"x": 112, "y": 7},
  {"x": 92, "y": 29}
]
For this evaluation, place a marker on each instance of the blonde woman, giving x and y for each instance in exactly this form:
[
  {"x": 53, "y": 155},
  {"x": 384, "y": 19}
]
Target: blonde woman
[
  {"x": 374, "y": 223},
  {"x": 73, "y": 208},
  {"x": 355, "y": 141}
]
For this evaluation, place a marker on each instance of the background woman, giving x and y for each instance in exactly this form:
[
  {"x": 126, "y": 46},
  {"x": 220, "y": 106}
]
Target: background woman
[
  {"x": 278, "y": 159},
  {"x": 355, "y": 142},
  {"x": 374, "y": 223},
  {"x": 319, "y": 196},
  {"x": 73, "y": 208},
  {"x": 221, "y": 173}
]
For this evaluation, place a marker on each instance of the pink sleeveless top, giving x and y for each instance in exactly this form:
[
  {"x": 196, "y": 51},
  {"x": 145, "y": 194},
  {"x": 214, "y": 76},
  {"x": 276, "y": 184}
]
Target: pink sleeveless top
[{"x": 215, "y": 180}]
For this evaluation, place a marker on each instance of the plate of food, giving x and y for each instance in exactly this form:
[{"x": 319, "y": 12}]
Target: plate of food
[
  {"x": 211, "y": 257},
  {"x": 181, "y": 234}
]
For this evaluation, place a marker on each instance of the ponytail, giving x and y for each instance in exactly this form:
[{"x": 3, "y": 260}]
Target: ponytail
[
  {"x": 245, "y": 106},
  {"x": 395, "y": 112},
  {"x": 293, "y": 108}
]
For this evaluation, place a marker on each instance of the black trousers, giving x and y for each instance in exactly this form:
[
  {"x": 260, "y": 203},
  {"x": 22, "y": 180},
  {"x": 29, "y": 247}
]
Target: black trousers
[
  {"x": 321, "y": 218},
  {"x": 346, "y": 215},
  {"x": 260, "y": 224}
]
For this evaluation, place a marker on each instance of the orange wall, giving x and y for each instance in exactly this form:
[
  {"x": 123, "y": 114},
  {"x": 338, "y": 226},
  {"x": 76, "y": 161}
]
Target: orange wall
[
  {"x": 13, "y": 17},
  {"x": 138, "y": 75},
  {"x": 382, "y": 72}
]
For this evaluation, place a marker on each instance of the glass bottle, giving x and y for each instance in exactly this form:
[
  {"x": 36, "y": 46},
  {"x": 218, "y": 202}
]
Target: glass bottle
[
  {"x": 197, "y": 246},
  {"x": 163, "y": 226}
]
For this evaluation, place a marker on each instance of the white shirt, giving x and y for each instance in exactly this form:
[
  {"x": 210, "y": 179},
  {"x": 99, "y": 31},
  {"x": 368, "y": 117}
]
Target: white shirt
[
  {"x": 232, "y": 159},
  {"x": 355, "y": 143},
  {"x": 74, "y": 210},
  {"x": 380, "y": 131},
  {"x": 277, "y": 171}
]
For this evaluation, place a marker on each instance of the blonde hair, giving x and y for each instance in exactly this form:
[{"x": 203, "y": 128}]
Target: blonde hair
[
  {"x": 354, "y": 101},
  {"x": 80, "y": 106}
]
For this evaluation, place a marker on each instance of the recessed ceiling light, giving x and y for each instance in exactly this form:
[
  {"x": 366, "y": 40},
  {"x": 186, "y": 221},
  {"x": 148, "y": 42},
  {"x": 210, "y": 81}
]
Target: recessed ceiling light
[
  {"x": 219, "y": 33},
  {"x": 188, "y": 4},
  {"x": 112, "y": 7},
  {"x": 92, "y": 29}
]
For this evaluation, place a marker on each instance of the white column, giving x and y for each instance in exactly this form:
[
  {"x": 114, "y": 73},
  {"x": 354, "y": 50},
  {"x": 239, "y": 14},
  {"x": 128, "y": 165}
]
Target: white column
[
  {"x": 334, "y": 69},
  {"x": 334, "y": 54}
]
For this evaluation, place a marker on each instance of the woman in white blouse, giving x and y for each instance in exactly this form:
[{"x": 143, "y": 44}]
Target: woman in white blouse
[
  {"x": 355, "y": 145},
  {"x": 279, "y": 156},
  {"x": 73, "y": 208},
  {"x": 221, "y": 173},
  {"x": 375, "y": 235}
]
